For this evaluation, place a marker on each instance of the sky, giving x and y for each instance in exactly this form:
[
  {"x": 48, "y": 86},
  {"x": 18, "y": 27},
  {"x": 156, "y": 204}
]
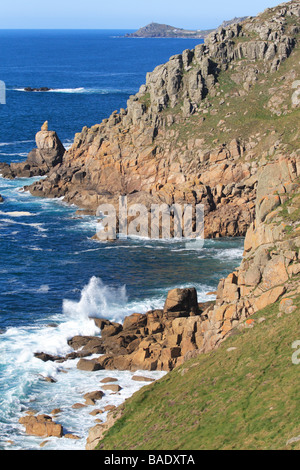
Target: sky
[{"x": 124, "y": 14}]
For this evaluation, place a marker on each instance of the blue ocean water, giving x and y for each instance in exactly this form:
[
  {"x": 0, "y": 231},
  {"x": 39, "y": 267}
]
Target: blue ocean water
[{"x": 51, "y": 271}]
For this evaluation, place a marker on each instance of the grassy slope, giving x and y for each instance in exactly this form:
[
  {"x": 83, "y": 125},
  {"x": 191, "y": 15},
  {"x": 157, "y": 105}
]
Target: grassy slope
[{"x": 247, "y": 398}]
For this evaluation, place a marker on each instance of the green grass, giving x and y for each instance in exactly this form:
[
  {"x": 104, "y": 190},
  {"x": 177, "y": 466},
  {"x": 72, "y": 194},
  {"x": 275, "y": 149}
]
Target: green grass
[
  {"x": 249, "y": 114},
  {"x": 244, "y": 399}
]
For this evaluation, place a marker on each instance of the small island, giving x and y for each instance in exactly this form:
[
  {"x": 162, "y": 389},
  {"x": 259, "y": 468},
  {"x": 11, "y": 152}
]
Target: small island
[{"x": 157, "y": 30}]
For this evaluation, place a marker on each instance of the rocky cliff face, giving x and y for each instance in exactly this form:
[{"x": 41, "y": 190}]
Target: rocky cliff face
[
  {"x": 218, "y": 125},
  {"x": 271, "y": 265},
  {"x": 198, "y": 131}
]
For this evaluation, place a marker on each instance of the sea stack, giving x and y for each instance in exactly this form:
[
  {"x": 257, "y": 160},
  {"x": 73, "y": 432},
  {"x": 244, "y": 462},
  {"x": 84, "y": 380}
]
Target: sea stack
[{"x": 48, "y": 154}]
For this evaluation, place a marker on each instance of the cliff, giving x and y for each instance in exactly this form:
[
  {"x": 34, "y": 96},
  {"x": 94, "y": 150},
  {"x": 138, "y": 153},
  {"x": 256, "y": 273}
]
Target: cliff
[
  {"x": 200, "y": 130},
  {"x": 217, "y": 125}
]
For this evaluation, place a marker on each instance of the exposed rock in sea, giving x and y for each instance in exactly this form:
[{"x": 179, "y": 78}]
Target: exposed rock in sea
[
  {"x": 37, "y": 89},
  {"x": 48, "y": 154},
  {"x": 41, "y": 426},
  {"x": 156, "y": 340},
  {"x": 1, "y": 198}
]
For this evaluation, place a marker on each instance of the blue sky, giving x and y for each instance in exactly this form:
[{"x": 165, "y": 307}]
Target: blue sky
[{"x": 125, "y": 14}]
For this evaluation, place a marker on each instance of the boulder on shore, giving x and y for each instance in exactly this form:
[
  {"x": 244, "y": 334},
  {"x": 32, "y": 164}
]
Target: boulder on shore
[{"x": 41, "y": 426}]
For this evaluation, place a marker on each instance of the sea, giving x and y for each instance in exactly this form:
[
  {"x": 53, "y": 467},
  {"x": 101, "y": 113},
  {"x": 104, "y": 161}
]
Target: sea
[{"x": 53, "y": 275}]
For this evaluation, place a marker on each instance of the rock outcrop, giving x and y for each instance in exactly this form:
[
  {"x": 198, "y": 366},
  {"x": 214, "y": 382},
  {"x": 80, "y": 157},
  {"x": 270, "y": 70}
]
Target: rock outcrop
[
  {"x": 271, "y": 264},
  {"x": 41, "y": 426},
  {"x": 48, "y": 155},
  {"x": 156, "y": 340}
]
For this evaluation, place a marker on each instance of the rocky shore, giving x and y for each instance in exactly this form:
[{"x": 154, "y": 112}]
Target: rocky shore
[
  {"x": 156, "y": 340},
  {"x": 219, "y": 126}
]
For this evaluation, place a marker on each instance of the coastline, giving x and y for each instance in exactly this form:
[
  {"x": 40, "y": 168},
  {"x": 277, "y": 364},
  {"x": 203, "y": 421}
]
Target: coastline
[{"x": 268, "y": 272}]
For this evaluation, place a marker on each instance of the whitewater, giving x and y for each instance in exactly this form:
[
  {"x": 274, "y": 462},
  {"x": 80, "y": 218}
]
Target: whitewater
[{"x": 53, "y": 276}]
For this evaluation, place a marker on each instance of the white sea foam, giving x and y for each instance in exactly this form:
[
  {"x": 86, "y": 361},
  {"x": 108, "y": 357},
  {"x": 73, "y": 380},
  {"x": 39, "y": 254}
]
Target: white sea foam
[
  {"x": 22, "y": 154},
  {"x": 24, "y": 373},
  {"x": 67, "y": 90},
  {"x": 98, "y": 300},
  {"x": 2, "y": 144},
  {"x": 17, "y": 214},
  {"x": 37, "y": 226},
  {"x": 232, "y": 253},
  {"x": 83, "y": 90},
  {"x": 44, "y": 289}
]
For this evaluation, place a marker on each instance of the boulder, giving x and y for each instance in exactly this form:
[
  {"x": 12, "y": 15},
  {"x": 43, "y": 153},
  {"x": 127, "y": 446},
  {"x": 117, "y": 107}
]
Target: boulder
[
  {"x": 108, "y": 379},
  {"x": 41, "y": 426},
  {"x": 111, "y": 329},
  {"x": 88, "y": 365},
  {"x": 92, "y": 397},
  {"x": 181, "y": 302},
  {"x": 140, "y": 378},
  {"x": 112, "y": 387},
  {"x": 134, "y": 321}
]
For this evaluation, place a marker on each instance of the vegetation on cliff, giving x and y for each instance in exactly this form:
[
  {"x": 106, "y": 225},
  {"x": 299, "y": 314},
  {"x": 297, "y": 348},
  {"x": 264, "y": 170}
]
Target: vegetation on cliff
[
  {"x": 217, "y": 125},
  {"x": 242, "y": 396},
  {"x": 240, "y": 393}
]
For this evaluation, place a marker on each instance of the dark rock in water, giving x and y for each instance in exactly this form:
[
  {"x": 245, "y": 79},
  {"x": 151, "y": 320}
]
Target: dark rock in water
[
  {"x": 37, "y": 89},
  {"x": 1, "y": 198},
  {"x": 46, "y": 357}
]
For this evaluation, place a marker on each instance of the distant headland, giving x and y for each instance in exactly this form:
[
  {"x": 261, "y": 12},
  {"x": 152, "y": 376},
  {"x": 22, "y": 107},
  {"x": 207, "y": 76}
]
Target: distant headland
[{"x": 157, "y": 30}]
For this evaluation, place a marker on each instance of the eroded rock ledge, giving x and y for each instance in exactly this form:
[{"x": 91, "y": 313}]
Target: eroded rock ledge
[{"x": 156, "y": 340}]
